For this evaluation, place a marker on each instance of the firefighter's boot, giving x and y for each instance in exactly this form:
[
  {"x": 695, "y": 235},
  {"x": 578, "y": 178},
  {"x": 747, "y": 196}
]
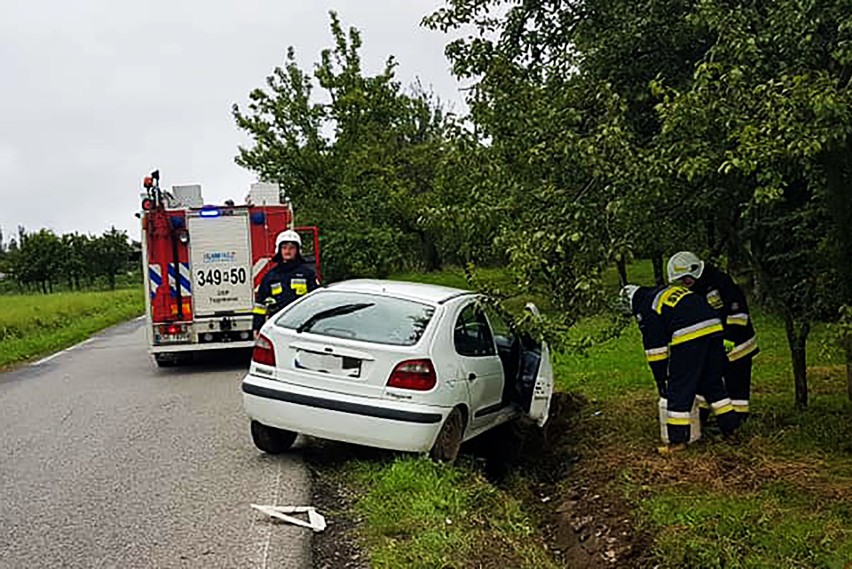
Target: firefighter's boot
[{"x": 671, "y": 449}]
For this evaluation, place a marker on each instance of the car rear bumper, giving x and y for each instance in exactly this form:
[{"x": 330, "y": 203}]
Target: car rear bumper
[{"x": 327, "y": 415}]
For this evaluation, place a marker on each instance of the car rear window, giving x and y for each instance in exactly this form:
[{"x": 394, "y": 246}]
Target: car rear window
[{"x": 376, "y": 319}]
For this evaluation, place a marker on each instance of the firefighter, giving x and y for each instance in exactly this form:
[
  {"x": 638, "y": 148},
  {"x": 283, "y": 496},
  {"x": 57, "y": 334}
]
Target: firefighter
[
  {"x": 682, "y": 336},
  {"x": 289, "y": 279},
  {"x": 727, "y": 298}
]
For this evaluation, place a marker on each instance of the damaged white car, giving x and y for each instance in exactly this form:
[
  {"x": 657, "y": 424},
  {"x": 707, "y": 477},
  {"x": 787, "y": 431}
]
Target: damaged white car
[{"x": 394, "y": 365}]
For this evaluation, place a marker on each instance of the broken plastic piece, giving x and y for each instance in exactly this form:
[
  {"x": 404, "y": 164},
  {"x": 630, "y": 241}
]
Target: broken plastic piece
[{"x": 315, "y": 521}]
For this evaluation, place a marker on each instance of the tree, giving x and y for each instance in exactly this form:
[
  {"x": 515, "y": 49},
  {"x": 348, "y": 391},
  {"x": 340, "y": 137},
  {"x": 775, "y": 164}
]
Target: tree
[
  {"x": 560, "y": 100},
  {"x": 112, "y": 253},
  {"x": 769, "y": 114},
  {"x": 37, "y": 261},
  {"x": 359, "y": 161}
]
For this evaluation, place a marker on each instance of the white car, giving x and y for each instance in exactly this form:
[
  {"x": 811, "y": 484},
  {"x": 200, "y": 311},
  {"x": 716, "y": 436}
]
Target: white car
[{"x": 394, "y": 365}]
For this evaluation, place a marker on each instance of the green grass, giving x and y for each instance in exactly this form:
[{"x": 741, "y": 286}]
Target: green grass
[
  {"x": 777, "y": 526},
  {"x": 783, "y": 499},
  {"x": 35, "y": 325},
  {"x": 422, "y": 515}
]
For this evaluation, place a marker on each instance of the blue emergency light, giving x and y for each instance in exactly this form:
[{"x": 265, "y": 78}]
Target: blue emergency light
[{"x": 209, "y": 212}]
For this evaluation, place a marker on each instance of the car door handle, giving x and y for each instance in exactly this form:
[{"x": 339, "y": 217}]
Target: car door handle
[{"x": 471, "y": 377}]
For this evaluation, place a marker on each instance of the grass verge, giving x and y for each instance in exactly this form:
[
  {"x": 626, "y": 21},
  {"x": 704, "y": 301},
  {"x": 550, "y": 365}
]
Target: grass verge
[
  {"x": 35, "y": 325},
  {"x": 421, "y": 514}
]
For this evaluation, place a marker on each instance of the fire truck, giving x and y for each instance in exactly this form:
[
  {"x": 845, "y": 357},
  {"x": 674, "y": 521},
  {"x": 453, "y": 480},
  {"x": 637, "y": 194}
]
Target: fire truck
[{"x": 202, "y": 265}]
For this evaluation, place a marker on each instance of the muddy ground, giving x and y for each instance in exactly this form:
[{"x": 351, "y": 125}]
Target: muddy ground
[{"x": 567, "y": 490}]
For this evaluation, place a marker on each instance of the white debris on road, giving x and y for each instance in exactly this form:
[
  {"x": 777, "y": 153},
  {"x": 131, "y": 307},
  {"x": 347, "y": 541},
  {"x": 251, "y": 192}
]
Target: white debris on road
[{"x": 315, "y": 521}]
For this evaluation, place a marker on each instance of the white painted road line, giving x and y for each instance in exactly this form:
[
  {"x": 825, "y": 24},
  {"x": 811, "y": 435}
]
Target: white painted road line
[
  {"x": 59, "y": 353},
  {"x": 48, "y": 358}
]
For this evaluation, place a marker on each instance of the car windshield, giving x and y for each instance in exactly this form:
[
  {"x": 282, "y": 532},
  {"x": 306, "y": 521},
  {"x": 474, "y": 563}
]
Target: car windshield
[{"x": 368, "y": 318}]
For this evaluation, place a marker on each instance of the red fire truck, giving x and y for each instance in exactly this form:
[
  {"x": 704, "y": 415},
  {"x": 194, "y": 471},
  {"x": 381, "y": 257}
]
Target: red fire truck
[{"x": 202, "y": 265}]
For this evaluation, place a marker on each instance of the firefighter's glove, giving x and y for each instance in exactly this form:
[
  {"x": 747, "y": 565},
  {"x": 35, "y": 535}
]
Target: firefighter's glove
[{"x": 729, "y": 345}]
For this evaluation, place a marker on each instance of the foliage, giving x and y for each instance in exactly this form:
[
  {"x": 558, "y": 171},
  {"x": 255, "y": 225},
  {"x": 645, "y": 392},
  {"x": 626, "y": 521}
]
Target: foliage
[
  {"x": 770, "y": 109},
  {"x": 359, "y": 159}
]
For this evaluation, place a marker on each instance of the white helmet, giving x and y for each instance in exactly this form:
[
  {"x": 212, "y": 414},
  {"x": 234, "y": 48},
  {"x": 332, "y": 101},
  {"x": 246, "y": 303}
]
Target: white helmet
[
  {"x": 288, "y": 236},
  {"x": 684, "y": 264},
  {"x": 625, "y": 298}
]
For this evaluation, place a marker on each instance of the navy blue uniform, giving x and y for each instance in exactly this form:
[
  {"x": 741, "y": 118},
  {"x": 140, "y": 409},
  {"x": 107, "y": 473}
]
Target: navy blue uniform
[
  {"x": 283, "y": 284},
  {"x": 727, "y": 298},
  {"x": 682, "y": 336}
]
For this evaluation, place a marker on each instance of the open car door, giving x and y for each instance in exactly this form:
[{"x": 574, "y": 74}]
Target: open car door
[{"x": 536, "y": 376}]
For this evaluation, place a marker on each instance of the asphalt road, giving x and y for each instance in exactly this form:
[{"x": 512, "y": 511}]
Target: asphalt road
[{"x": 107, "y": 461}]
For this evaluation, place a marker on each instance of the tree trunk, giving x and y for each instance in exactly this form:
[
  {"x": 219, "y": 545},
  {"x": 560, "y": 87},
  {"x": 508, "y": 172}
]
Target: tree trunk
[
  {"x": 659, "y": 274},
  {"x": 847, "y": 344},
  {"x": 797, "y": 340},
  {"x": 431, "y": 256},
  {"x": 621, "y": 265}
]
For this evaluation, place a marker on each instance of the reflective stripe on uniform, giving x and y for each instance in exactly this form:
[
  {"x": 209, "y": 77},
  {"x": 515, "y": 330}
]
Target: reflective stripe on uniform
[
  {"x": 740, "y": 405},
  {"x": 678, "y": 417},
  {"x": 657, "y": 354},
  {"x": 742, "y": 350},
  {"x": 696, "y": 331},
  {"x": 665, "y": 297},
  {"x": 259, "y": 309},
  {"x": 721, "y": 406},
  {"x": 702, "y": 403},
  {"x": 737, "y": 319}
]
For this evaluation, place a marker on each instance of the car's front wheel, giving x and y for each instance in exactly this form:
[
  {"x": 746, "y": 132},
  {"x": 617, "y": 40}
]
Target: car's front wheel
[
  {"x": 446, "y": 447},
  {"x": 271, "y": 440}
]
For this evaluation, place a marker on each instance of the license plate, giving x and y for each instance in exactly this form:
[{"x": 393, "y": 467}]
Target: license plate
[{"x": 326, "y": 363}]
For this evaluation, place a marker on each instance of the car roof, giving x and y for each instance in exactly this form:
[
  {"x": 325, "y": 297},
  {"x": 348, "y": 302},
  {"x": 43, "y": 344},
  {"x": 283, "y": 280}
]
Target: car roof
[{"x": 434, "y": 294}]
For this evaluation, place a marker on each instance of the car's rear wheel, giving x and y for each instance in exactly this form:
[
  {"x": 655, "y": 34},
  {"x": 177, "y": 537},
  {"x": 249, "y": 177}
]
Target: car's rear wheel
[
  {"x": 446, "y": 447},
  {"x": 271, "y": 440}
]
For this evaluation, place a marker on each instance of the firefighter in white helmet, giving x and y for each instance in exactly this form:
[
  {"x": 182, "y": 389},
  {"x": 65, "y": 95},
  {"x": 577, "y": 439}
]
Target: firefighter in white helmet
[
  {"x": 290, "y": 278},
  {"x": 727, "y": 298}
]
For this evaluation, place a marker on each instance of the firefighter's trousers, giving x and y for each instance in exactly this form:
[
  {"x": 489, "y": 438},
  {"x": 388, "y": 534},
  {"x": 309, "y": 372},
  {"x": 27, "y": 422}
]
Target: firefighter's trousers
[
  {"x": 695, "y": 368},
  {"x": 738, "y": 383}
]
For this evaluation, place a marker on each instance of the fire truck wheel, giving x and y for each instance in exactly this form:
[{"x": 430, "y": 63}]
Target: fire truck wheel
[
  {"x": 271, "y": 440},
  {"x": 165, "y": 360}
]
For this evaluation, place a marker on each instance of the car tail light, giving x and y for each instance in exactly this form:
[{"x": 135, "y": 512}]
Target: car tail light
[
  {"x": 418, "y": 375},
  {"x": 263, "y": 352}
]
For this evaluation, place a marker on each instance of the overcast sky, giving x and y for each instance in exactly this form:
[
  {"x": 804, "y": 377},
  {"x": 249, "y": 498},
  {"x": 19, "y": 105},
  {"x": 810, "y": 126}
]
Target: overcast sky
[{"x": 96, "y": 93}]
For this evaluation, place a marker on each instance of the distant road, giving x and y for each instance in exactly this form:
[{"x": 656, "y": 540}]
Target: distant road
[{"x": 107, "y": 461}]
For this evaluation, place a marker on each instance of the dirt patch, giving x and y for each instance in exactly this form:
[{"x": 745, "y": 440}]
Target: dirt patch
[
  {"x": 570, "y": 490},
  {"x": 338, "y": 547}
]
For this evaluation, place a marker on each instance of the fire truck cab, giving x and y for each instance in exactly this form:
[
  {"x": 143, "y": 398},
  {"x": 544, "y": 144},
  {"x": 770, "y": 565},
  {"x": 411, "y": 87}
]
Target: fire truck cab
[{"x": 202, "y": 265}]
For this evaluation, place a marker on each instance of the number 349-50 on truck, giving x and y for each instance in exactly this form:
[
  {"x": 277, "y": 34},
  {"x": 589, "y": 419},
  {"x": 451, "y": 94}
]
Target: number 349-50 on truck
[{"x": 202, "y": 265}]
